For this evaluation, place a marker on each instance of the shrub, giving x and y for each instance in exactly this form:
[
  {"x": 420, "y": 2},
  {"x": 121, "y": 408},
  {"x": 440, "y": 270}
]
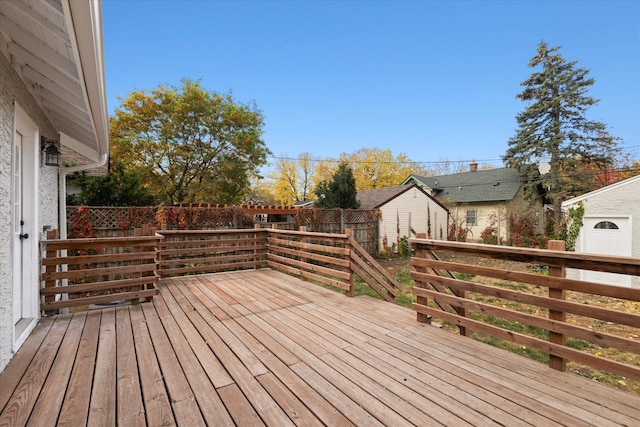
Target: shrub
[{"x": 489, "y": 235}]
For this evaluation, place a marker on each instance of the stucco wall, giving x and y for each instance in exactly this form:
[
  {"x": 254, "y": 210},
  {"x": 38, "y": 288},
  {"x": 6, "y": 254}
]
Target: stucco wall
[
  {"x": 412, "y": 202},
  {"x": 496, "y": 214},
  {"x": 13, "y": 91}
]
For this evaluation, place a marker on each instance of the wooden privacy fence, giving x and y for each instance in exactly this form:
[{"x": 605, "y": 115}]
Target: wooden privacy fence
[
  {"x": 131, "y": 268},
  {"x": 510, "y": 307}
]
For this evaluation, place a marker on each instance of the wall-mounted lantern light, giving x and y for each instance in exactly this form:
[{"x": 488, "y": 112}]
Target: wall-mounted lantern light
[{"x": 50, "y": 151}]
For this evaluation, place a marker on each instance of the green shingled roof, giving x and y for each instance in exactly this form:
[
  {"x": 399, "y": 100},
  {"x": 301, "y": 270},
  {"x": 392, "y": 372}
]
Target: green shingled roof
[{"x": 483, "y": 185}]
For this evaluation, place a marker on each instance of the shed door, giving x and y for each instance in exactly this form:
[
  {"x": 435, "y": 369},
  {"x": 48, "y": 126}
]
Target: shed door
[{"x": 607, "y": 236}]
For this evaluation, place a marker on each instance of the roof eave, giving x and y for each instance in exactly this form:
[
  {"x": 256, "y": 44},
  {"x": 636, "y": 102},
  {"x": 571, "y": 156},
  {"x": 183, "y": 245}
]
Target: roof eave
[{"x": 84, "y": 18}]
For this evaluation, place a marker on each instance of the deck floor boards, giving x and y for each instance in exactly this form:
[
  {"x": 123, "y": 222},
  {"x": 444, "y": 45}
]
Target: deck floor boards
[{"x": 259, "y": 347}]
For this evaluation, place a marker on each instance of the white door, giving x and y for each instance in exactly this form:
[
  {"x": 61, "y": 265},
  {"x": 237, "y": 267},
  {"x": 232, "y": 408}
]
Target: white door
[
  {"x": 17, "y": 230},
  {"x": 24, "y": 242},
  {"x": 610, "y": 235}
]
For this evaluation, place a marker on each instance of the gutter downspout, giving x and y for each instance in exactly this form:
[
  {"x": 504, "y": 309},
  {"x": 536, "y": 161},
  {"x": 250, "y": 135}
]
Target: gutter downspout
[{"x": 62, "y": 209}]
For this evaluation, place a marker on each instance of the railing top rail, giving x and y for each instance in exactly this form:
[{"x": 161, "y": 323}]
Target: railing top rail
[
  {"x": 126, "y": 241},
  {"x": 598, "y": 262},
  {"x": 307, "y": 233},
  {"x": 211, "y": 232}
]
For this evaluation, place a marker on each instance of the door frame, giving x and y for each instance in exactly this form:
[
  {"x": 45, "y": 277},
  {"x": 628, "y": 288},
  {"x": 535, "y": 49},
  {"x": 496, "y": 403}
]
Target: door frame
[{"x": 30, "y": 204}]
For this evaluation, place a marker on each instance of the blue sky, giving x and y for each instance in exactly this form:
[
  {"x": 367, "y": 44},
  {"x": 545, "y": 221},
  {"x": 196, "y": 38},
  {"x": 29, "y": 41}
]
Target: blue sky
[{"x": 433, "y": 80}]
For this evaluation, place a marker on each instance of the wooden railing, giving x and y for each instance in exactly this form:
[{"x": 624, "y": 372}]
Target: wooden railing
[
  {"x": 103, "y": 270},
  {"x": 322, "y": 257},
  {"x": 444, "y": 290},
  {"x": 372, "y": 273},
  {"x": 99, "y": 270},
  {"x": 184, "y": 252}
]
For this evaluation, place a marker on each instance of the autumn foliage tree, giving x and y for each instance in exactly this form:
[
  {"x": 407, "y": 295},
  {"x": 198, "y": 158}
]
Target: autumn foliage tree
[
  {"x": 293, "y": 179},
  {"x": 372, "y": 168},
  {"x": 189, "y": 145},
  {"x": 375, "y": 168}
]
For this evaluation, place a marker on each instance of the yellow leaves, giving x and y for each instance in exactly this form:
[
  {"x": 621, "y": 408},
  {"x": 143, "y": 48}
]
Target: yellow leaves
[
  {"x": 293, "y": 180},
  {"x": 376, "y": 168}
]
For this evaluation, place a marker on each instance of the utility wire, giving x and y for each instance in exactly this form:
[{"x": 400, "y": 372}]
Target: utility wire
[{"x": 407, "y": 162}]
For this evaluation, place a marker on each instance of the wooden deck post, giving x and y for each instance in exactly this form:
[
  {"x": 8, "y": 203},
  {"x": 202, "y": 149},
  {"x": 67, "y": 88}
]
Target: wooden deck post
[
  {"x": 303, "y": 229},
  {"x": 148, "y": 230},
  {"x": 256, "y": 227},
  {"x": 347, "y": 245},
  {"x": 421, "y": 253},
  {"x": 51, "y": 235},
  {"x": 557, "y": 362},
  {"x": 137, "y": 232}
]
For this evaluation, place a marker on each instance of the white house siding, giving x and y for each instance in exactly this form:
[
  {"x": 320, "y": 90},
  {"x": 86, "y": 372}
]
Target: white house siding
[
  {"x": 412, "y": 203},
  {"x": 621, "y": 200},
  {"x": 13, "y": 91}
]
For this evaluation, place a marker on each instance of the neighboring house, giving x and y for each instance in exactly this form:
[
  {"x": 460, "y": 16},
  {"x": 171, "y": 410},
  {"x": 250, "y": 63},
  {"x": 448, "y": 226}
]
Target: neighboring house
[
  {"x": 611, "y": 226},
  {"x": 405, "y": 212},
  {"x": 52, "y": 89},
  {"x": 481, "y": 198}
]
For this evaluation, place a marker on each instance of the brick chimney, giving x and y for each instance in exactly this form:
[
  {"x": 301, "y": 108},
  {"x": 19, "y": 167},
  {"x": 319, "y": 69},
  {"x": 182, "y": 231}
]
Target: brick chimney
[{"x": 473, "y": 166}]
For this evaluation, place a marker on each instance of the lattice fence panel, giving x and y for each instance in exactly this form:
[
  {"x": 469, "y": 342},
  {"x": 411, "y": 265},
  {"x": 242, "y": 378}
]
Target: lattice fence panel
[{"x": 121, "y": 221}]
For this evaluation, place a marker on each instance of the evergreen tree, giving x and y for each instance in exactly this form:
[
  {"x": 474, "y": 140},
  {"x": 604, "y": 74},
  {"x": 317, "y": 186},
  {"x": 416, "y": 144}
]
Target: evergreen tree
[
  {"x": 340, "y": 192},
  {"x": 554, "y": 128},
  {"x": 116, "y": 188}
]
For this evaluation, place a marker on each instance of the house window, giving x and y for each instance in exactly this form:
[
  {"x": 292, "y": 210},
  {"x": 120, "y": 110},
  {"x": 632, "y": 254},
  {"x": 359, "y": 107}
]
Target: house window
[
  {"x": 606, "y": 225},
  {"x": 472, "y": 217}
]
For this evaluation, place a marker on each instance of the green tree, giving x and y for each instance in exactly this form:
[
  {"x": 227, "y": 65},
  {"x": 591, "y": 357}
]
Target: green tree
[
  {"x": 340, "y": 192},
  {"x": 188, "y": 144},
  {"x": 554, "y": 126},
  {"x": 116, "y": 188}
]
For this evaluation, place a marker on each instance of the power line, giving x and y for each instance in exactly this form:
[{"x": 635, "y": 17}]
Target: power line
[
  {"x": 547, "y": 176},
  {"x": 408, "y": 162},
  {"x": 411, "y": 162}
]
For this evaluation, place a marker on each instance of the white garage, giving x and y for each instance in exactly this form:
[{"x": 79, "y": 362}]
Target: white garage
[{"x": 611, "y": 226}]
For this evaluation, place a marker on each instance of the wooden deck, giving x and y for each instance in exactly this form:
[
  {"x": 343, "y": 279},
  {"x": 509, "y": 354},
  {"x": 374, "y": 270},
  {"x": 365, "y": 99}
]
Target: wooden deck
[{"x": 260, "y": 347}]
